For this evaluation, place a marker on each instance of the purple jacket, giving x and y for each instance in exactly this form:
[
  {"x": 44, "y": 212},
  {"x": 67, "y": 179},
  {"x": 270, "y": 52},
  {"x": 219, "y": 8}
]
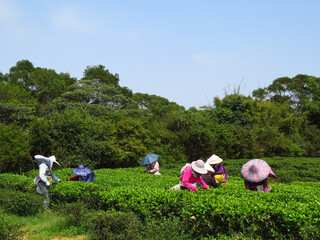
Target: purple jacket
[{"x": 219, "y": 169}]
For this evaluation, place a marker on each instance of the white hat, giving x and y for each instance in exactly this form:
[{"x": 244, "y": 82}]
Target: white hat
[
  {"x": 214, "y": 159},
  {"x": 46, "y": 160},
  {"x": 209, "y": 168},
  {"x": 199, "y": 167}
]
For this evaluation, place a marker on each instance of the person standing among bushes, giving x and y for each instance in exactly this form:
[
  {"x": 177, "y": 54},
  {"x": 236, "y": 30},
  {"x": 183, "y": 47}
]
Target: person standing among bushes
[
  {"x": 191, "y": 174},
  {"x": 44, "y": 180},
  {"x": 255, "y": 174},
  {"x": 83, "y": 174},
  {"x": 219, "y": 174}
]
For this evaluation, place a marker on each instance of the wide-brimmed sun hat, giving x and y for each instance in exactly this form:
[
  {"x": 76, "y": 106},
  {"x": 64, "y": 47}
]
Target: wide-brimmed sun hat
[
  {"x": 81, "y": 171},
  {"x": 47, "y": 160},
  {"x": 214, "y": 159},
  {"x": 199, "y": 167},
  {"x": 209, "y": 168},
  {"x": 256, "y": 170}
]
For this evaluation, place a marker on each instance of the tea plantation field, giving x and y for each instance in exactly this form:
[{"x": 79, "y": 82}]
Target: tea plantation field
[{"x": 290, "y": 211}]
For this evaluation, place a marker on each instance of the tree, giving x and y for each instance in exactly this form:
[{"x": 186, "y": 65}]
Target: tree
[
  {"x": 76, "y": 138},
  {"x": 232, "y": 109},
  {"x": 20, "y": 74},
  {"x": 14, "y": 149},
  {"x": 102, "y": 75},
  {"x": 192, "y": 132},
  {"x": 73, "y": 136},
  {"x": 93, "y": 92},
  {"x": 130, "y": 144},
  {"x": 159, "y": 107},
  {"x": 15, "y": 94},
  {"x": 301, "y": 92},
  {"x": 2, "y": 77},
  {"x": 98, "y": 87},
  {"x": 16, "y": 104},
  {"x": 48, "y": 84},
  {"x": 44, "y": 84}
]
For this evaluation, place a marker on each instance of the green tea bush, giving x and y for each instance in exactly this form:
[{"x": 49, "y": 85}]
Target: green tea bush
[
  {"x": 74, "y": 212},
  {"x": 17, "y": 182},
  {"x": 290, "y": 211},
  {"x": 114, "y": 225},
  {"x": 73, "y": 191},
  {"x": 20, "y": 203},
  {"x": 229, "y": 209},
  {"x": 286, "y": 169},
  {"x": 9, "y": 230},
  {"x": 172, "y": 228}
]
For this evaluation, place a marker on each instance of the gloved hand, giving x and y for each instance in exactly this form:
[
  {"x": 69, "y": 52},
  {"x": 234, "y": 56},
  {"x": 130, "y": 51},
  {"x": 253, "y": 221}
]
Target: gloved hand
[
  {"x": 207, "y": 187},
  {"x": 59, "y": 180},
  {"x": 48, "y": 184}
]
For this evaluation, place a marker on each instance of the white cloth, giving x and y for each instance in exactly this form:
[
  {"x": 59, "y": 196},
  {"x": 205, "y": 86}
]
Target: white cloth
[{"x": 42, "y": 173}]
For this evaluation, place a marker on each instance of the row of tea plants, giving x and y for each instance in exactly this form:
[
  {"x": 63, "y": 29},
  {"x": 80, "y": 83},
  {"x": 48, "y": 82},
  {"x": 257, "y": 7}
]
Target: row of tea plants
[{"x": 290, "y": 211}]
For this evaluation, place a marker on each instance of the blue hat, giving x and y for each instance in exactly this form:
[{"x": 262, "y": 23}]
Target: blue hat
[{"x": 81, "y": 171}]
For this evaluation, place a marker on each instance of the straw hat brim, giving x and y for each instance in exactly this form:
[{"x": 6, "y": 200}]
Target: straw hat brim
[
  {"x": 209, "y": 168},
  {"x": 262, "y": 170},
  {"x": 214, "y": 159},
  {"x": 197, "y": 169},
  {"x": 81, "y": 171}
]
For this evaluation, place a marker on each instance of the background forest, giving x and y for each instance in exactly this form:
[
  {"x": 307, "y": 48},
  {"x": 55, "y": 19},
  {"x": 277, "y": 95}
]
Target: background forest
[{"x": 101, "y": 124}]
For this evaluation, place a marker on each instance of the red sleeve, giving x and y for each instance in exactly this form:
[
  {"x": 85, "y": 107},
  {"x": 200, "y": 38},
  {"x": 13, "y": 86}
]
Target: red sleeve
[{"x": 75, "y": 178}]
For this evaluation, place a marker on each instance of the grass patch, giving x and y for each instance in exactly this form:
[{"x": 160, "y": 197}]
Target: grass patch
[{"x": 46, "y": 226}]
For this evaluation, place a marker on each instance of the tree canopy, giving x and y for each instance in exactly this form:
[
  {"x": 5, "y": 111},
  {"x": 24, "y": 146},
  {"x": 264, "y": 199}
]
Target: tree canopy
[{"x": 97, "y": 122}]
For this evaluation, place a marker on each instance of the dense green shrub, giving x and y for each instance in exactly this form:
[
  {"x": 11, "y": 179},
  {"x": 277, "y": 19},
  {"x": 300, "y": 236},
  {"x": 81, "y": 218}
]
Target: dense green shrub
[
  {"x": 20, "y": 203},
  {"x": 9, "y": 230},
  {"x": 74, "y": 212},
  {"x": 75, "y": 137},
  {"x": 172, "y": 228},
  {"x": 311, "y": 144},
  {"x": 290, "y": 210},
  {"x": 192, "y": 133},
  {"x": 130, "y": 144},
  {"x": 114, "y": 225},
  {"x": 14, "y": 149},
  {"x": 72, "y": 191},
  {"x": 98, "y": 123},
  {"x": 17, "y": 182},
  {"x": 286, "y": 169}
]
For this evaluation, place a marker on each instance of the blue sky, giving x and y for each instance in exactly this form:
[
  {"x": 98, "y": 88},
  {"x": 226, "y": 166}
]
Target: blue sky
[{"x": 186, "y": 51}]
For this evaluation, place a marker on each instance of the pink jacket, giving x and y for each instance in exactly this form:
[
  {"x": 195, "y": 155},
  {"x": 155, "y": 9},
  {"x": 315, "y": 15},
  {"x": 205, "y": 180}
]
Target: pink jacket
[{"x": 187, "y": 178}]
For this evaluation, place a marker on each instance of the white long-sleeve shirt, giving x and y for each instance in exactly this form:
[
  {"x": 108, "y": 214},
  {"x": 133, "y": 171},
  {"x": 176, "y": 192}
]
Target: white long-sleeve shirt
[{"x": 42, "y": 173}]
